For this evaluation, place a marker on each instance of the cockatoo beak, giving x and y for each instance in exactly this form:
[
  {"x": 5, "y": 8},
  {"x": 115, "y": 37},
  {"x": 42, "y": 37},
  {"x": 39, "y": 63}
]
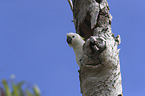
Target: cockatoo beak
[{"x": 69, "y": 40}]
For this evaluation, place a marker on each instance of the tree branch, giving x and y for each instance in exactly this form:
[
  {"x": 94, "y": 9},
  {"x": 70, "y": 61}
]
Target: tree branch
[{"x": 71, "y": 5}]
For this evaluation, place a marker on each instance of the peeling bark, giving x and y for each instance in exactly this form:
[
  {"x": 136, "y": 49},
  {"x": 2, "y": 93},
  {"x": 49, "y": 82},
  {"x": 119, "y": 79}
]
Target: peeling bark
[{"x": 100, "y": 67}]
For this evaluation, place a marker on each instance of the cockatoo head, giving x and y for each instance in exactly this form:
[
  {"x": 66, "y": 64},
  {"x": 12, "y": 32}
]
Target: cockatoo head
[{"x": 74, "y": 39}]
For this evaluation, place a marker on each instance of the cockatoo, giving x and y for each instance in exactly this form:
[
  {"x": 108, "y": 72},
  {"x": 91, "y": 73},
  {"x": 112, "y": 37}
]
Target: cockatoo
[{"x": 76, "y": 41}]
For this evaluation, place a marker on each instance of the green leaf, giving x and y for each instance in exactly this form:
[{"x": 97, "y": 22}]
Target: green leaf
[
  {"x": 36, "y": 90},
  {"x": 7, "y": 89},
  {"x": 15, "y": 90},
  {"x": 28, "y": 93},
  {"x": 19, "y": 85}
]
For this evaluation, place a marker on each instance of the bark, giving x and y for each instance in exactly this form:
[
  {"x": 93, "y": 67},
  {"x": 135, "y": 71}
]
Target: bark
[{"x": 100, "y": 67}]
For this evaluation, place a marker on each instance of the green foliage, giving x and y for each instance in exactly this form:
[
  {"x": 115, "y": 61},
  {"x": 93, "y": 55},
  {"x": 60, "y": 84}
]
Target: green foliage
[{"x": 14, "y": 89}]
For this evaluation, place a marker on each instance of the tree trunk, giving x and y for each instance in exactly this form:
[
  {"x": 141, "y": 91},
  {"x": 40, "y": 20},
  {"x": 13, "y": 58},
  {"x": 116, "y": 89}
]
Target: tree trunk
[{"x": 100, "y": 67}]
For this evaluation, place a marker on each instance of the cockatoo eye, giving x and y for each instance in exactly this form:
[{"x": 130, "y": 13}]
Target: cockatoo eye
[{"x": 73, "y": 36}]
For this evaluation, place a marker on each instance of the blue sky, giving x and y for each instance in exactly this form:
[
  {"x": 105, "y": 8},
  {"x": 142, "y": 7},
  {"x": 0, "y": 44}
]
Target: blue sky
[{"x": 33, "y": 44}]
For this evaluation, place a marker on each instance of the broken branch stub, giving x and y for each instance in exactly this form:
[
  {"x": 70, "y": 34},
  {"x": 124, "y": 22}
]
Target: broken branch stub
[{"x": 100, "y": 69}]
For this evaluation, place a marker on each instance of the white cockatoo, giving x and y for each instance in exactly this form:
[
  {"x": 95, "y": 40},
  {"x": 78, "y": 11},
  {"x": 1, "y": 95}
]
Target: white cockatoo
[{"x": 76, "y": 41}]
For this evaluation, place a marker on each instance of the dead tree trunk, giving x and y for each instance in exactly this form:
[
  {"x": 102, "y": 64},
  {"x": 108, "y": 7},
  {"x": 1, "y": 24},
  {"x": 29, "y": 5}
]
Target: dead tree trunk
[{"x": 100, "y": 68}]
